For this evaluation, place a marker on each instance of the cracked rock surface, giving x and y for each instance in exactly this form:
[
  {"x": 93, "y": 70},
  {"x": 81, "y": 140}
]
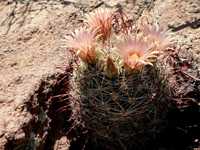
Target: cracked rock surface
[{"x": 182, "y": 17}]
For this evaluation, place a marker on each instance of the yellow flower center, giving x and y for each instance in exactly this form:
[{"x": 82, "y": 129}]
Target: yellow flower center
[
  {"x": 81, "y": 44},
  {"x": 134, "y": 56}
]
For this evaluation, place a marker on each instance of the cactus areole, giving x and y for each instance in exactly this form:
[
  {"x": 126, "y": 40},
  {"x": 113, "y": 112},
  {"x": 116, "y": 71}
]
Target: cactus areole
[{"x": 123, "y": 83}]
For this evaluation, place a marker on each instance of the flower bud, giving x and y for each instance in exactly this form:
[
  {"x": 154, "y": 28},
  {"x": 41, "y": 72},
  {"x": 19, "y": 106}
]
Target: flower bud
[{"x": 110, "y": 69}]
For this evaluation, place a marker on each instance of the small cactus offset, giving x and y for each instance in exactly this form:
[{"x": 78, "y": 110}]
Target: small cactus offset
[{"x": 124, "y": 81}]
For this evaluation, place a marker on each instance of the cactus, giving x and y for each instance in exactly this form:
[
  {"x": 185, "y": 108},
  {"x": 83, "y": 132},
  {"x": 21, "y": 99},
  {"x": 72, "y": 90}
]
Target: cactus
[{"x": 124, "y": 81}]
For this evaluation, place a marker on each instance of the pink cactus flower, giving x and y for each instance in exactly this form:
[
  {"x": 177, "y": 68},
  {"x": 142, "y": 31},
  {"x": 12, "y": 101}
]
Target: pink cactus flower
[
  {"x": 83, "y": 44},
  {"x": 135, "y": 52},
  {"x": 101, "y": 20},
  {"x": 160, "y": 38}
]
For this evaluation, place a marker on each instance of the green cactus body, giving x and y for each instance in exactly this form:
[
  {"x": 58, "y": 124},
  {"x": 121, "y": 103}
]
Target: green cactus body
[{"x": 123, "y": 111}]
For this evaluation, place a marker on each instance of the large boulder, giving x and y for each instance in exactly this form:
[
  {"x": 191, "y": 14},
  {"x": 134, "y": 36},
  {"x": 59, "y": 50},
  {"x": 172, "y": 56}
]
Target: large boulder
[{"x": 31, "y": 48}]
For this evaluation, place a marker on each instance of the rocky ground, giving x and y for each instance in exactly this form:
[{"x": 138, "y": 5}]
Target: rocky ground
[{"x": 32, "y": 46}]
